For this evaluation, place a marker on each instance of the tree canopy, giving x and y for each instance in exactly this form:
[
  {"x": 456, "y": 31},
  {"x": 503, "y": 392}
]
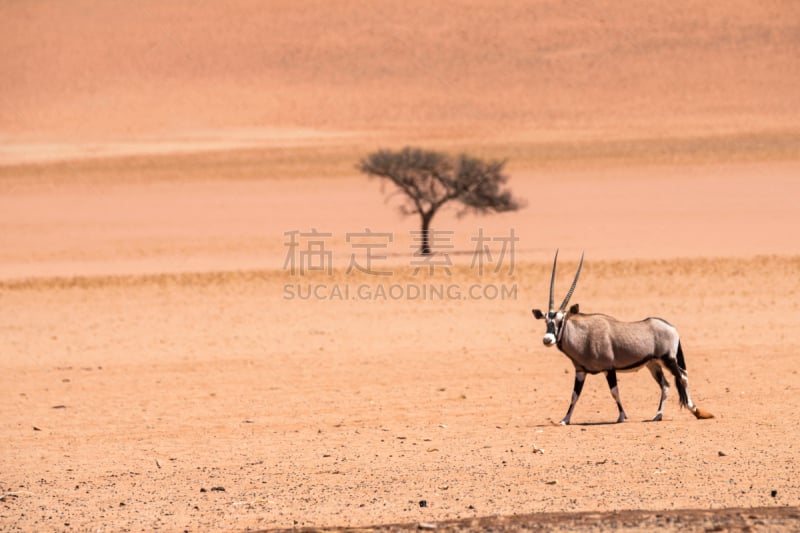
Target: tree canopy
[{"x": 429, "y": 179}]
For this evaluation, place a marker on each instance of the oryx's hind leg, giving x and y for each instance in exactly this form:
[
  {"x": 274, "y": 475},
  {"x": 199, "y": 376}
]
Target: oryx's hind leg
[
  {"x": 611, "y": 377},
  {"x": 580, "y": 377},
  {"x": 658, "y": 374},
  {"x": 676, "y": 364}
]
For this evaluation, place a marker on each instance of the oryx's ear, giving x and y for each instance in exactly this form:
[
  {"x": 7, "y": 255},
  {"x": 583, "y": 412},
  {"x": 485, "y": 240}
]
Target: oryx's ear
[
  {"x": 538, "y": 314},
  {"x": 573, "y": 309}
]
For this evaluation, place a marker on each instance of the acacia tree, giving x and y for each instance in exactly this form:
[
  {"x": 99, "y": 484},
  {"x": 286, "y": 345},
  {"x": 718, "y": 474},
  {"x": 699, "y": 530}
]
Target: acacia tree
[{"x": 430, "y": 179}]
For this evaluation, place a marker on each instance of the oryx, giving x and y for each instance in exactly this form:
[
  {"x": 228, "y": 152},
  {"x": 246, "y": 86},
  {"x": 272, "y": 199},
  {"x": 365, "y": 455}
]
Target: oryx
[{"x": 599, "y": 343}]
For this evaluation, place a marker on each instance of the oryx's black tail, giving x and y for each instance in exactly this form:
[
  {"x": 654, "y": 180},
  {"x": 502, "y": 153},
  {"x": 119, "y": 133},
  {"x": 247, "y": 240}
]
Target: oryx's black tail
[{"x": 681, "y": 360}]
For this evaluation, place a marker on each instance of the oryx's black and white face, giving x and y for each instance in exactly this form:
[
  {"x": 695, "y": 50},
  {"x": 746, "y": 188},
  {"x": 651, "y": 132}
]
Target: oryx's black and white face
[{"x": 554, "y": 319}]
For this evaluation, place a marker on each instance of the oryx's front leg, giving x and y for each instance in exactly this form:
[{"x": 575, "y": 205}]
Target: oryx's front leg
[
  {"x": 611, "y": 377},
  {"x": 580, "y": 377}
]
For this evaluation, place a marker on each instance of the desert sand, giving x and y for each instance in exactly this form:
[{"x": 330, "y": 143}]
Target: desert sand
[{"x": 167, "y": 366}]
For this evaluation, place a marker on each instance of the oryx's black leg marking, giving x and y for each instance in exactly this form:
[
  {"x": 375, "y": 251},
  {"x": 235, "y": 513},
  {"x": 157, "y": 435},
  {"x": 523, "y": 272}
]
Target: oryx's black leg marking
[
  {"x": 580, "y": 377},
  {"x": 658, "y": 374},
  {"x": 611, "y": 377}
]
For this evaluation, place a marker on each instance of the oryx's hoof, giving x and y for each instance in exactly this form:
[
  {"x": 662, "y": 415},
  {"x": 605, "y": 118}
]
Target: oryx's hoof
[
  {"x": 564, "y": 422},
  {"x": 657, "y": 418},
  {"x": 622, "y": 418}
]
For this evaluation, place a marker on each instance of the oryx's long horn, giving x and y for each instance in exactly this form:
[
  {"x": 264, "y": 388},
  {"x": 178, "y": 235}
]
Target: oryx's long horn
[
  {"x": 553, "y": 283},
  {"x": 571, "y": 289}
]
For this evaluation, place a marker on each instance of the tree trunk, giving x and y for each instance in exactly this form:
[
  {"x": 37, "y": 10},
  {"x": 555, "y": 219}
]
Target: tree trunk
[{"x": 426, "y": 224}]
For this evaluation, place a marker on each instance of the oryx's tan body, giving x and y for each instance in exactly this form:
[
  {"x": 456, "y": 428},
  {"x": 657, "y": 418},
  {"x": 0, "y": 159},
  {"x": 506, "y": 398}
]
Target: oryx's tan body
[{"x": 597, "y": 343}]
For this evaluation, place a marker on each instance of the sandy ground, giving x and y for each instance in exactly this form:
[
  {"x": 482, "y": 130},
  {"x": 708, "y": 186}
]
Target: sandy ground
[
  {"x": 128, "y": 398},
  {"x": 164, "y": 368}
]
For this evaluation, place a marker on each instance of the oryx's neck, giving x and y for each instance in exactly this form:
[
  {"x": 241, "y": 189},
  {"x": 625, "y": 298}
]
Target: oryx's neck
[{"x": 564, "y": 326}]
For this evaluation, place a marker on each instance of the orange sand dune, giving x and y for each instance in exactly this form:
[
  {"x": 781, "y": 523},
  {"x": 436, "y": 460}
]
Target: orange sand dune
[{"x": 73, "y": 71}]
